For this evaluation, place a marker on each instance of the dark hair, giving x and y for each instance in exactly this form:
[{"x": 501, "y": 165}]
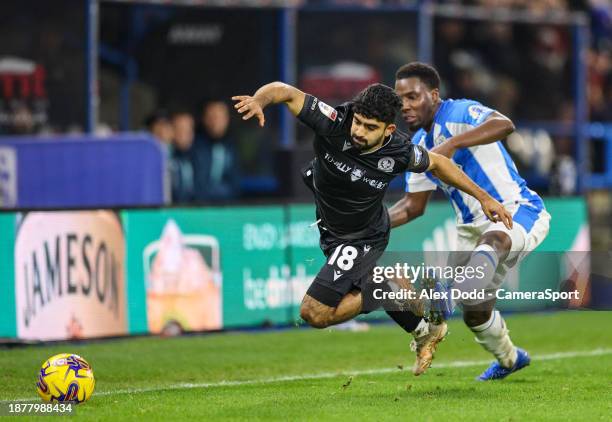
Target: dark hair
[
  {"x": 211, "y": 100},
  {"x": 378, "y": 102},
  {"x": 179, "y": 111},
  {"x": 426, "y": 73},
  {"x": 156, "y": 116}
]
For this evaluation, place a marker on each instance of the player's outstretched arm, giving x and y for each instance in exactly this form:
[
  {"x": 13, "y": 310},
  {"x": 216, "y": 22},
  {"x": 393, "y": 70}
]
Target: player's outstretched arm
[
  {"x": 445, "y": 170},
  {"x": 272, "y": 93},
  {"x": 411, "y": 206},
  {"x": 495, "y": 127}
]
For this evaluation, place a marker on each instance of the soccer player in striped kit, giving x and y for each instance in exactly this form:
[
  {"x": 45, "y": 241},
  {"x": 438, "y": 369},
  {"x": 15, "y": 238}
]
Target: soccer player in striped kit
[{"x": 469, "y": 133}]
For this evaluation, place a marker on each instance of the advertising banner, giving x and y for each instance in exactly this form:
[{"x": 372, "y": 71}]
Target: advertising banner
[
  {"x": 185, "y": 265},
  {"x": 82, "y": 274},
  {"x": 69, "y": 275},
  {"x": 561, "y": 257},
  {"x": 7, "y": 276}
]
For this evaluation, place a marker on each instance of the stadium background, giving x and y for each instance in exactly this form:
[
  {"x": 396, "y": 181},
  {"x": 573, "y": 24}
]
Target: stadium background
[{"x": 95, "y": 243}]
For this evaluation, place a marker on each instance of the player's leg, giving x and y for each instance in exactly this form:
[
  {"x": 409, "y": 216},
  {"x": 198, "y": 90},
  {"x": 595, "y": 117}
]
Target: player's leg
[
  {"x": 320, "y": 315},
  {"x": 408, "y": 314},
  {"x": 487, "y": 323},
  {"x": 482, "y": 319},
  {"x": 490, "y": 252},
  {"x": 330, "y": 298},
  {"x": 322, "y": 307}
]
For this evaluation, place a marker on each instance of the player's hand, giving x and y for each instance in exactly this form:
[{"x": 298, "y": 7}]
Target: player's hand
[
  {"x": 446, "y": 149},
  {"x": 496, "y": 212},
  {"x": 250, "y": 106}
]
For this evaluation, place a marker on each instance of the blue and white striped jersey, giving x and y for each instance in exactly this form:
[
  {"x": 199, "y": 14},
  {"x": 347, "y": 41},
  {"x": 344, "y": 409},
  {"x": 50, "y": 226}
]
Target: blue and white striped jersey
[{"x": 489, "y": 166}]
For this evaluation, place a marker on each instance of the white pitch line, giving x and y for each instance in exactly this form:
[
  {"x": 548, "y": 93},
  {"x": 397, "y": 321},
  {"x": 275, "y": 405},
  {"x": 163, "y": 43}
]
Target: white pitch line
[{"x": 325, "y": 375}]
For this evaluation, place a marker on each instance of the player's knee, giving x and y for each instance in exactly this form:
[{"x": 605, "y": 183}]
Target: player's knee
[
  {"x": 314, "y": 319},
  {"x": 499, "y": 241},
  {"x": 474, "y": 318}
]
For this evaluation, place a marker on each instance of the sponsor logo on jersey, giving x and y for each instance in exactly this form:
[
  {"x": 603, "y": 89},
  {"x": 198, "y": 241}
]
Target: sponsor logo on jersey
[
  {"x": 357, "y": 174},
  {"x": 366, "y": 249},
  {"x": 386, "y": 164},
  {"x": 417, "y": 155},
  {"x": 328, "y": 111},
  {"x": 375, "y": 183},
  {"x": 476, "y": 111},
  {"x": 337, "y": 274},
  {"x": 347, "y": 145},
  {"x": 343, "y": 167}
]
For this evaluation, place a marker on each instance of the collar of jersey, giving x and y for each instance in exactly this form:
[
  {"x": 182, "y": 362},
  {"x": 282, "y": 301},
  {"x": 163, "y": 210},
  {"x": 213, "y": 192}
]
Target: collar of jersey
[
  {"x": 438, "y": 111},
  {"x": 383, "y": 145}
]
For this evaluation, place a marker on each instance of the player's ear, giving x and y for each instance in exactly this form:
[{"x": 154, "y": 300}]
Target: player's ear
[
  {"x": 435, "y": 94},
  {"x": 390, "y": 129}
]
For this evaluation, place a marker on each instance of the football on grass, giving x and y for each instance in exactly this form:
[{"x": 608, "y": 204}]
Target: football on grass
[{"x": 65, "y": 378}]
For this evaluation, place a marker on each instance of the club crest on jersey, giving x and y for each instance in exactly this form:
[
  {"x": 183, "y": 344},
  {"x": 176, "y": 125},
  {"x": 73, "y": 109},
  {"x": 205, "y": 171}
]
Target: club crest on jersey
[
  {"x": 357, "y": 174},
  {"x": 328, "y": 111},
  {"x": 386, "y": 164}
]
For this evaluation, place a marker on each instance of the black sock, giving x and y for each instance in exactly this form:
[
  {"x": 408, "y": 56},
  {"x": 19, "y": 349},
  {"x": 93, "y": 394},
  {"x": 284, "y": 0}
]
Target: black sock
[{"x": 405, "y": 319}]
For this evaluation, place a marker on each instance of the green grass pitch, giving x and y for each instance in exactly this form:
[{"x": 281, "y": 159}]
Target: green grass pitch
[{"x": 307, "y": 374}]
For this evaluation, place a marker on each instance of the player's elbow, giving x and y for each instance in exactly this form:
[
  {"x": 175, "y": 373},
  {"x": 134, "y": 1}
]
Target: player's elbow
[
  {"x": 508, "y": 127},
  {"x": 418, "y": 211},
  {"x": 415, "y": 210},
  {"x": 408, "y": 211}
]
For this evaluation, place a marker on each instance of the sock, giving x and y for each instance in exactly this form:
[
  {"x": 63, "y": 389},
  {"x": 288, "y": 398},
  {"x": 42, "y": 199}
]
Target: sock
[
  {"x": 370, "y": 304},
  {"x": 410, "y": 322},
  {"x": 485, "y": 257},
  {"x": 493, "y": 337}
]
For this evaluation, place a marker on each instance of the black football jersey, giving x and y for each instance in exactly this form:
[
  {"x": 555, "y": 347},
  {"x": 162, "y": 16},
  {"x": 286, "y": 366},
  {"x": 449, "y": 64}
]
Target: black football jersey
[{"x": 349, "y": 186}]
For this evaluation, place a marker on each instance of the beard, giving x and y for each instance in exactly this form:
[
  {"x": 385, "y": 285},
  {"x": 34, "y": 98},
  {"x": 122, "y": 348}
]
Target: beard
[
  {"x": 366, "y": 145},
  {"x": 359, "y": 143}
]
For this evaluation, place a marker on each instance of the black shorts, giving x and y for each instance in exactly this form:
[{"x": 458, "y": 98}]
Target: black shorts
[{"x": 349, "y": 266}]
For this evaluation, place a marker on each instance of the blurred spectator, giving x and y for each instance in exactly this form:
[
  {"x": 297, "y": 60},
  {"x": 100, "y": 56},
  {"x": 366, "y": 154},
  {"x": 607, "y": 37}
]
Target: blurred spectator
[
  {"x": 181, "y": 160},
  {"x": 160, "y": 126},
  {"x": 599, "y": 90},
  {"x": 523, "y": 69},
  {"x": 23, "y": 121},
  {"x": 217, "y": 168},
  {"x": 450, "y": 37}
]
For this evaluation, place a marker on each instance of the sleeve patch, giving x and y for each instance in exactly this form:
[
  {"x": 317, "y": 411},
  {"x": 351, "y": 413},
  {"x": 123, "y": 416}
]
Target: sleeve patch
[
  {"x": 418, "y": 155},
  {"x": 328, "y": 111},
  {"x": 476, "y": 111}
]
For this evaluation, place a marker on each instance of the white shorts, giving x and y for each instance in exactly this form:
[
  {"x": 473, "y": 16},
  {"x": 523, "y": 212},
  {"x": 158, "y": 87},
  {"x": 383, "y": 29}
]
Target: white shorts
[{"x": 530, "y": 227}]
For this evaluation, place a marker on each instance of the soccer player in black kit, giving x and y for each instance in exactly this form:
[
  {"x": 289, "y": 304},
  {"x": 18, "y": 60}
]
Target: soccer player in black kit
[{"x": 358, "y": 151}]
